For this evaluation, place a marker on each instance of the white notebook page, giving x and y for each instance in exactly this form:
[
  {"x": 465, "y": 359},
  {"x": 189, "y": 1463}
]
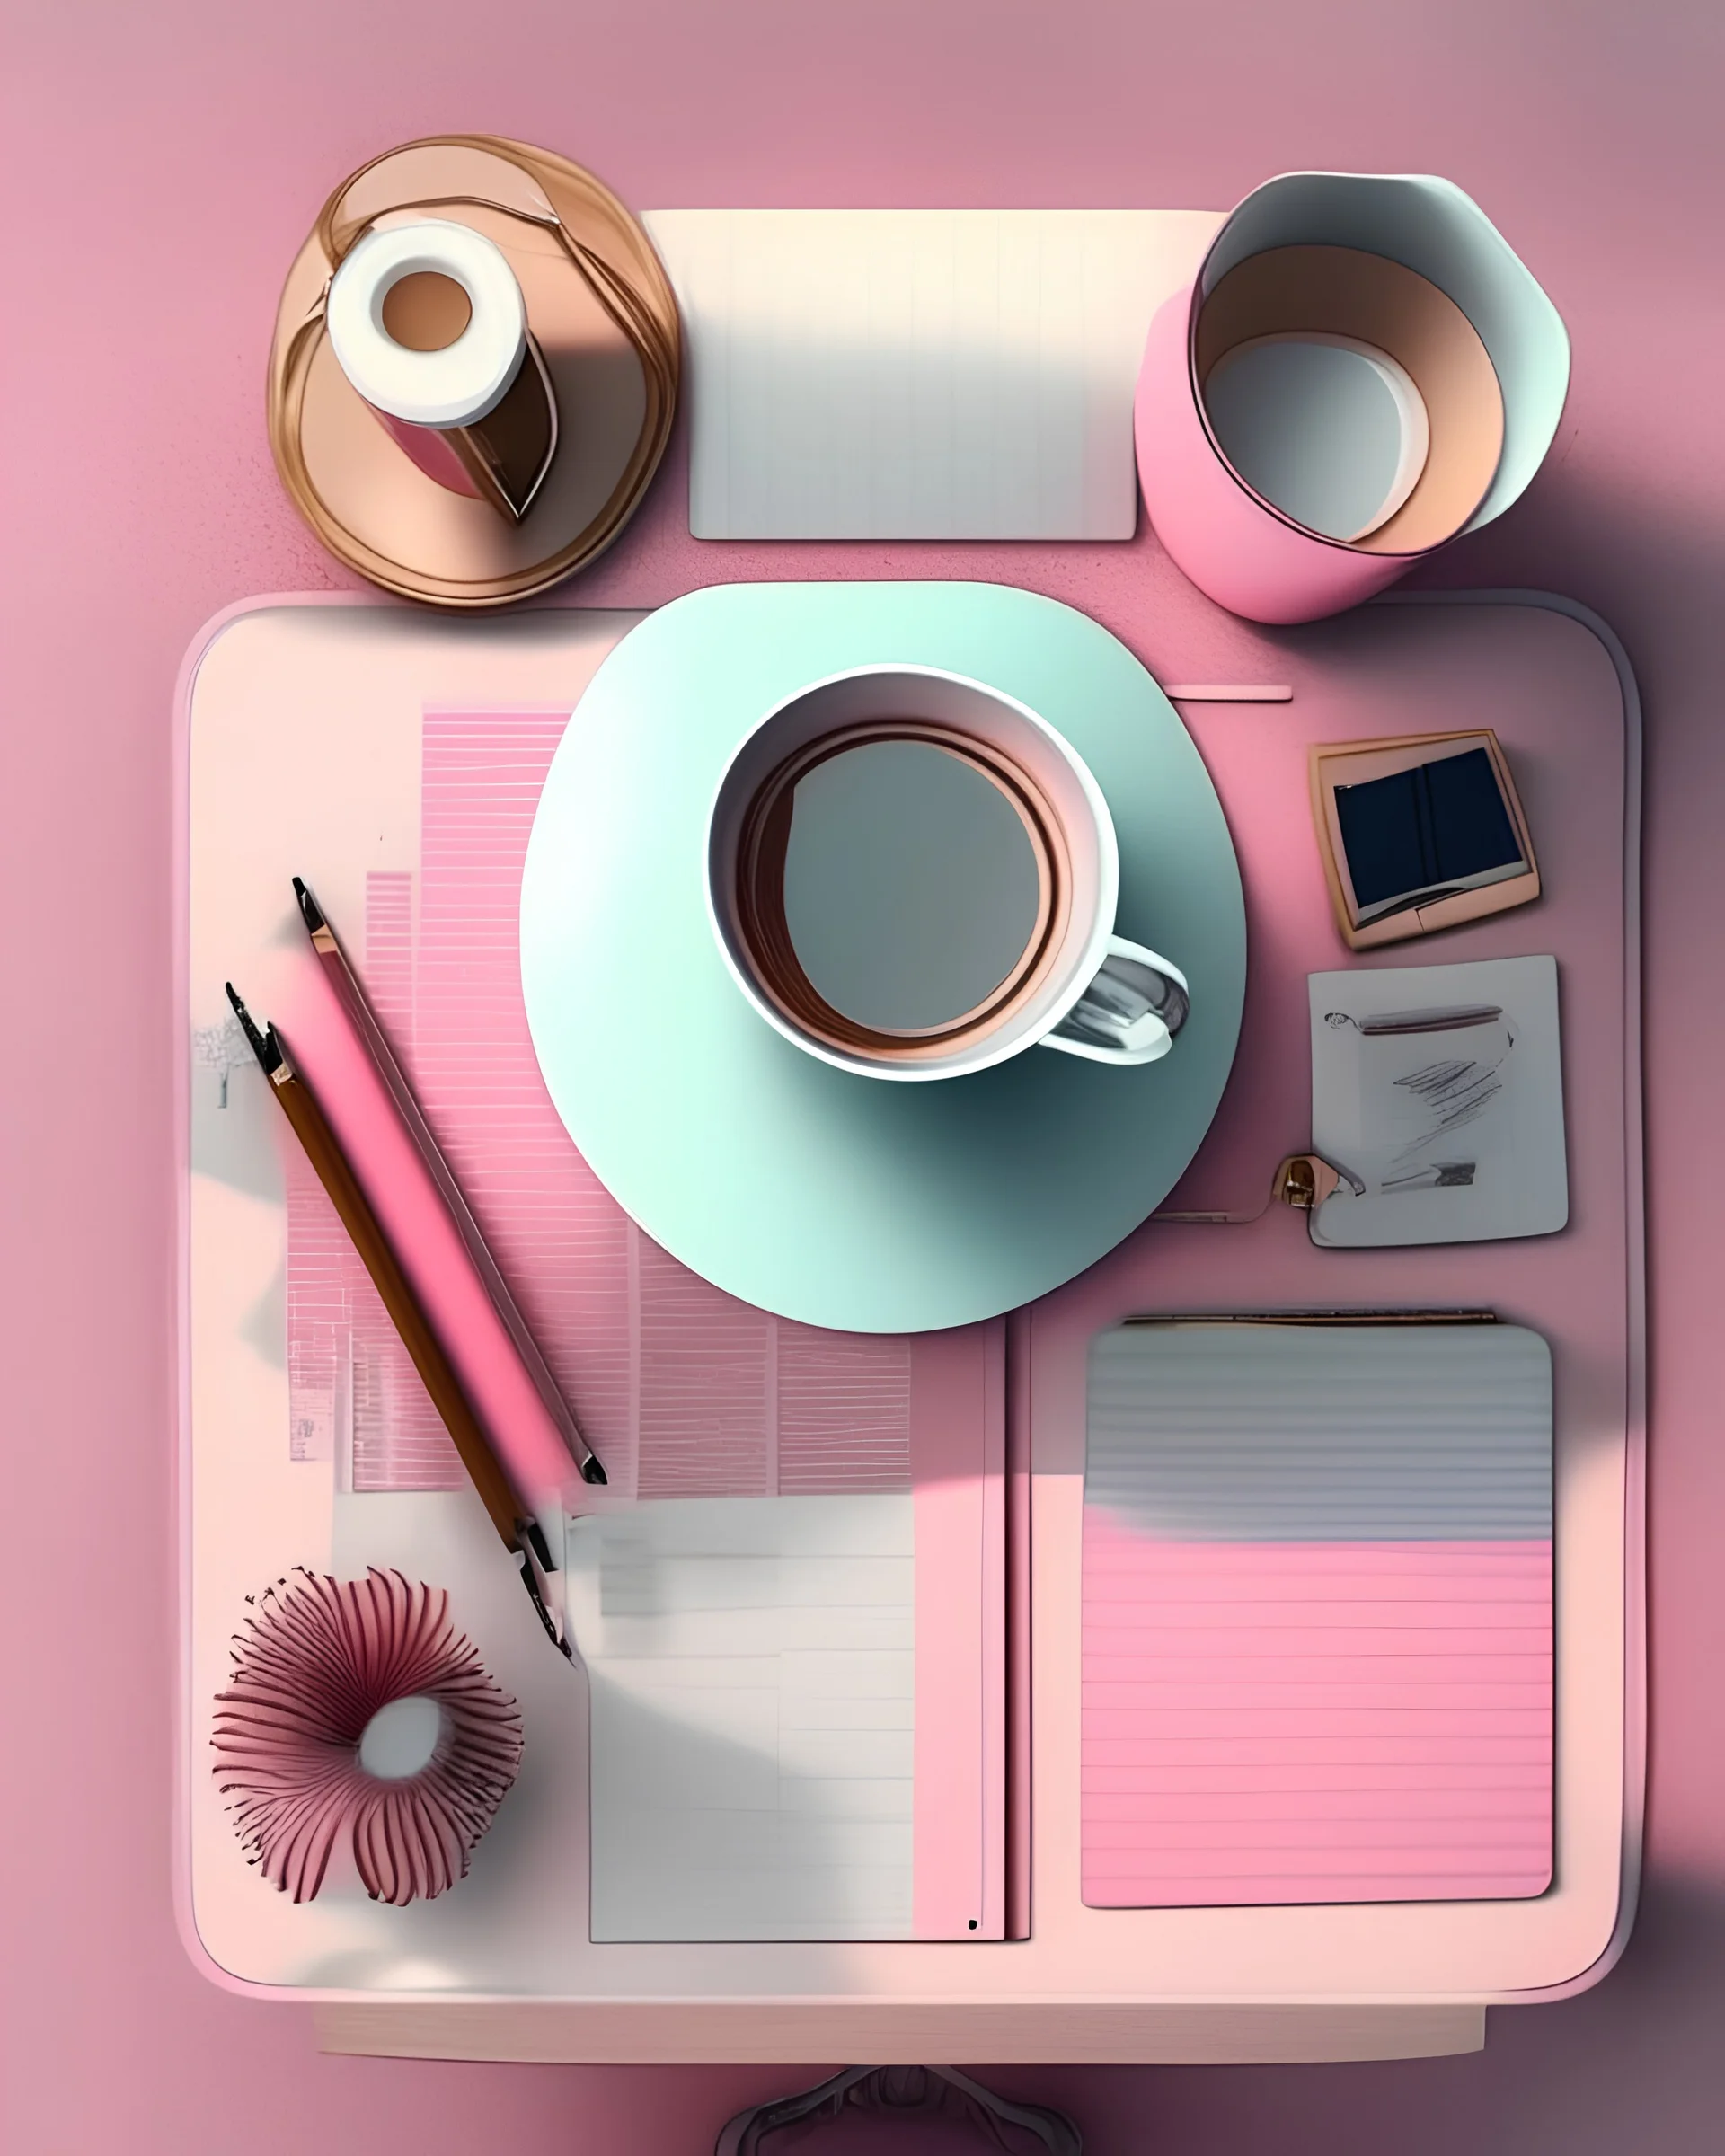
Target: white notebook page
[
  {"x": 919, "y": 374},
  {"x": 752, "y": 1664}
]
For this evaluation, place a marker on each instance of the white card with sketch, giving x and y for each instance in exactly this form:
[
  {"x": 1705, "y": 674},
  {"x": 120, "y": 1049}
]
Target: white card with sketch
[{"x": 1438, "y": 1096}]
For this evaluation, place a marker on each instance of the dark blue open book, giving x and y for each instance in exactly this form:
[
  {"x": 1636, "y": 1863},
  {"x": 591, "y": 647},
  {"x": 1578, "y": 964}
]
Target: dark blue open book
[{"x": 1421, "y": 834}]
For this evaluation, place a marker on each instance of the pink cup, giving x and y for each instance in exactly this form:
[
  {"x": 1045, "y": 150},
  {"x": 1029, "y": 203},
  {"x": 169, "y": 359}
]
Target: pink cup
[{"x": 1241, "y": 548}]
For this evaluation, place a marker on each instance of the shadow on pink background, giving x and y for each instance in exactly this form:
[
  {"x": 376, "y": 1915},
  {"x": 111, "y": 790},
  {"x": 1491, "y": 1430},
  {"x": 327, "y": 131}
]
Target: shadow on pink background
[{"x": 165, "y": 163}]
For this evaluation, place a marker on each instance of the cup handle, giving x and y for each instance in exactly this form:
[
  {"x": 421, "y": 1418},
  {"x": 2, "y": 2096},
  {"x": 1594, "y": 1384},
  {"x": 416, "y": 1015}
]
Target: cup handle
[{"x": 1135, "y": 1004}]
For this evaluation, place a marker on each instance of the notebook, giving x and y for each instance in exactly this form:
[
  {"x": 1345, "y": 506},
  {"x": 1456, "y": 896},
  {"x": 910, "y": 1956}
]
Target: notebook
[
  {"x": 791, "y": 1606},
  {"x": 919, "y": 374},
  {"x": 797, "y": 1699},
  {"x": 1317, "y": 1626}
]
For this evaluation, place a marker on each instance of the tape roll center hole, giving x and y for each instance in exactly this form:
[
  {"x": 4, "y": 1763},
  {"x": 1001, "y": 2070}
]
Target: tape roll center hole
[
  {"x": 401, "y": 1739},
  {"x": 426, "y": 311}
]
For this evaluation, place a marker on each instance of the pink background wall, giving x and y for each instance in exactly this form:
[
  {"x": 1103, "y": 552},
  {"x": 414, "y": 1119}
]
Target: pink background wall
[{"x": 167, "y": 162}]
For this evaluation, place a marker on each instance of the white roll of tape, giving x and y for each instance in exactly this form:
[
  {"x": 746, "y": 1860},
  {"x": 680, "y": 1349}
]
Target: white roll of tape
[{"x": 458, "y": 384}]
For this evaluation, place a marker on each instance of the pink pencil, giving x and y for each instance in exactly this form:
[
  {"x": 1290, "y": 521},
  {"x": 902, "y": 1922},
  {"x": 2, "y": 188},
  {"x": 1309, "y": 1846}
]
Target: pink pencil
[{"x": 351, "y": 996}]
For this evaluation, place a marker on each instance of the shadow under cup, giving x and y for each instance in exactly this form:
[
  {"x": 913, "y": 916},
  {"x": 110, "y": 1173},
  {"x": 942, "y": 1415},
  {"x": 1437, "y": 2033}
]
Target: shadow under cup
[{"x": 906, "y": 872}]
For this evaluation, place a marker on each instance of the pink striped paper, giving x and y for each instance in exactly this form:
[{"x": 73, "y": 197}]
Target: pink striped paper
[
  {"x": 1315, "y": 1722},
  {"x": 682, "y": 1390}
]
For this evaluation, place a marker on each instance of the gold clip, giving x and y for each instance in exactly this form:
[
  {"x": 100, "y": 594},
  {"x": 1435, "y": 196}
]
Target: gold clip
[{"x": 1305, "y": 1180}]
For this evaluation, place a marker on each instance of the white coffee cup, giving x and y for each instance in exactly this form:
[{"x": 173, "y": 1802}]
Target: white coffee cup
[{"x": 911, "y": 875}]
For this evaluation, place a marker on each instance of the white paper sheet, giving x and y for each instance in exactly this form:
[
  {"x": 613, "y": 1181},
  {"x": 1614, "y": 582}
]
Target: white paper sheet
[
  {"x": 920, "y": 374},
  {"x": 1456, "y": 1132},
  {"x": 752, "y": 1663}
]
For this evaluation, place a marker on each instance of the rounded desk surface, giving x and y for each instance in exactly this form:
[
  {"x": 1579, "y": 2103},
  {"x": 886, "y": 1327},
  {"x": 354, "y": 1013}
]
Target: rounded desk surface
[{"x": 840, "y": 1200}]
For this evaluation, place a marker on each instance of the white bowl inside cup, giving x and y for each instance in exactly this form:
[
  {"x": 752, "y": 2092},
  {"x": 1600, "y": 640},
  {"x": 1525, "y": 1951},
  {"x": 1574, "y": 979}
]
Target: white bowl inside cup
[
  {"x": 1328, "y": 429},
  {"x": 999, "y": 723}
]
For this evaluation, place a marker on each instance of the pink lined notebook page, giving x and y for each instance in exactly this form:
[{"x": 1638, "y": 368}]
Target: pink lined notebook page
[
  {"x": 681, "y": 1389},
  {"x": 1317, "y": 1658}
]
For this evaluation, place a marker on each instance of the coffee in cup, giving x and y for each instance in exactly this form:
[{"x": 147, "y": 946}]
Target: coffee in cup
[{"x": 913, "y": 876}]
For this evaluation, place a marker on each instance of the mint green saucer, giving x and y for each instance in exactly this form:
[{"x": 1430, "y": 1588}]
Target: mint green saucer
[{"x": 841, "y": 1200}]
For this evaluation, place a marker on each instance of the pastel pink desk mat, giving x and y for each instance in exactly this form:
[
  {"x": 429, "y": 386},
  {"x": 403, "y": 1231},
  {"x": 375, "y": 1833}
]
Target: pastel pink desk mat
[{"x": 1548, "y": 685}]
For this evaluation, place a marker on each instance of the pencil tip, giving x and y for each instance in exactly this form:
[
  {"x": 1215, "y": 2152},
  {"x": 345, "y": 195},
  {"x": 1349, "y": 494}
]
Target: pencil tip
[
  {"x": 311, "y": 912},
  {"x": 263, "y": 1047},
  {"x": 552, "y": 1629},
  {"x": 594, "y": 1470}
]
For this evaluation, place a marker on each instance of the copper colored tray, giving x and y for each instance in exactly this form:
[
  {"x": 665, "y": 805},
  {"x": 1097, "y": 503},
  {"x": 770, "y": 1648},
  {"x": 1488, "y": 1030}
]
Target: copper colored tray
[{"x": 599, "y": 305}]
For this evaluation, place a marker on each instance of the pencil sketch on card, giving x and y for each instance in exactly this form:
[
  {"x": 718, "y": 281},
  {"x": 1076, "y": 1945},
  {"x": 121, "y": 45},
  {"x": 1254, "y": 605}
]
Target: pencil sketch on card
[{"x": 1438, "y": 1095}]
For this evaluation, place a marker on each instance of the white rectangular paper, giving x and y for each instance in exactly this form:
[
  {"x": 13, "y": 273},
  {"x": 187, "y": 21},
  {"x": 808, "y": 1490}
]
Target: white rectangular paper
[
  {"x": 752, "y": 1663},
  {"x": 1455, "y": 1131},
  {"x": 919, "y": 374}
]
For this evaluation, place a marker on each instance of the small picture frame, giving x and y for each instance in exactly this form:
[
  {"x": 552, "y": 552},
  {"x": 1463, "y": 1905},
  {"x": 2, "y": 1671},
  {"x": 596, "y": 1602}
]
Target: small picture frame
[{"x": 1394, "y": 903}]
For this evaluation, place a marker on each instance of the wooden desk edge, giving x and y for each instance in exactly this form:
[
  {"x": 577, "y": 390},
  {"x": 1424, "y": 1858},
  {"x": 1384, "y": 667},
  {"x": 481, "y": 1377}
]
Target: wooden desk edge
[{"x": 826, "y": 2033}]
